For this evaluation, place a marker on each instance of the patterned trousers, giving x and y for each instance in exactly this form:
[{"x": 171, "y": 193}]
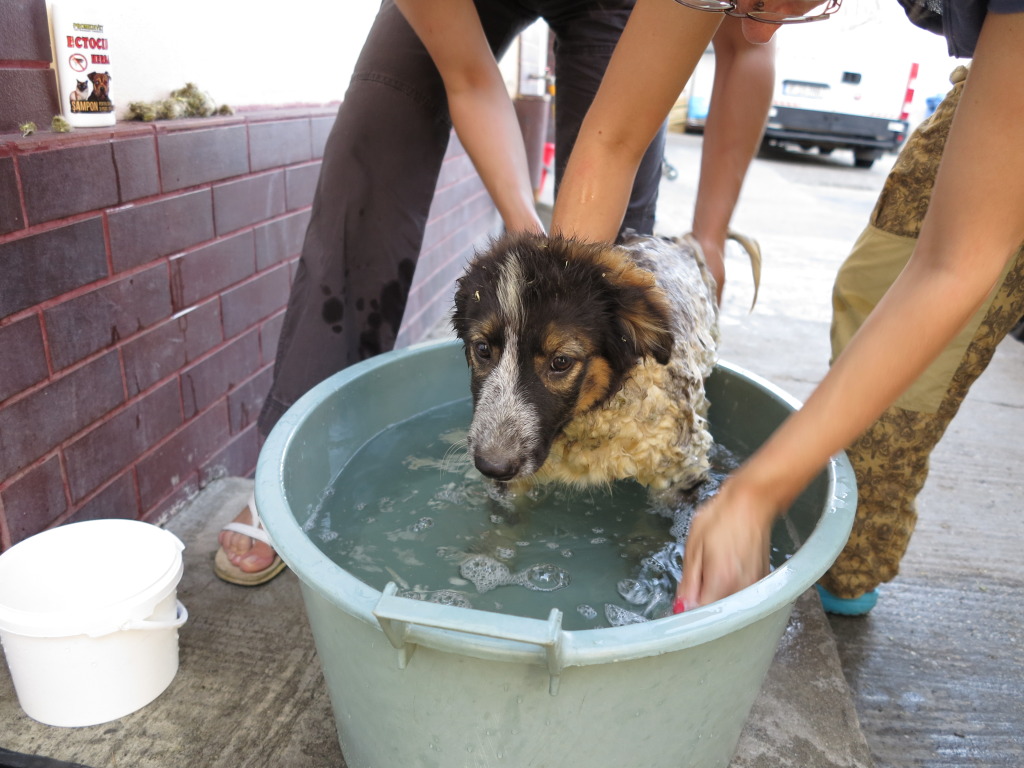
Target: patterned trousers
[{"x": 890, "y": 460}]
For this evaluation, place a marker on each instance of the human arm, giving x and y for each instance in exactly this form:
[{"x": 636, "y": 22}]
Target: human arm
[
  {"x": 975, "y": 223},
  {"x": 658, "y": 50},
  {"x": 740, "y": 98},
  {"x": 478, "y": 102}
]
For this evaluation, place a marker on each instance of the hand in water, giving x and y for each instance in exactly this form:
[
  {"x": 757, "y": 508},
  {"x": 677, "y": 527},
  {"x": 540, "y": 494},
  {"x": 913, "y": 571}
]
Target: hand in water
[{"x": 727, "y": 548}]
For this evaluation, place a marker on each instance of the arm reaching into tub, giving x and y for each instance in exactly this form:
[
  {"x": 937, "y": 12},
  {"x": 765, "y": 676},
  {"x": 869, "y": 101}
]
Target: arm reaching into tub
[
  {"x": 478, "y": 102},
  {"x": 974, "y": 225}
]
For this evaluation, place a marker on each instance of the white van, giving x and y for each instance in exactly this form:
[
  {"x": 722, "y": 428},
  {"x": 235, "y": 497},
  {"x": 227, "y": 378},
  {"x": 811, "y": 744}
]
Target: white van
[
  {"x": 831, "y": 92},
  {"x": 829, "y": 98}
]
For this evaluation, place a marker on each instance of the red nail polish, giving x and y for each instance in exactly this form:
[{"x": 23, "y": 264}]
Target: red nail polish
[{"x": 678, "y": 606}]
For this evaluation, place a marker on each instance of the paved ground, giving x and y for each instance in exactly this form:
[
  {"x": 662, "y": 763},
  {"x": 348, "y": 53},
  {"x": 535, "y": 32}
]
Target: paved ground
[{"x": 934, "y": 673}]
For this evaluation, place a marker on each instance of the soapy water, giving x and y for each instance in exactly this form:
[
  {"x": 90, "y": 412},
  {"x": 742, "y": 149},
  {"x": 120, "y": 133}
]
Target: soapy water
[{"x": 444, "y": 534}]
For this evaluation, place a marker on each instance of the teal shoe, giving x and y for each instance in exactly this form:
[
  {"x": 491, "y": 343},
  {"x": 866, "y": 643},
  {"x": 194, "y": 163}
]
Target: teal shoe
[{"x": 842, "y": 606}]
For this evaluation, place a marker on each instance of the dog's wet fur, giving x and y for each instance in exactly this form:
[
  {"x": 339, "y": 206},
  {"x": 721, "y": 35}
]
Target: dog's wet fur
[{"x": 588, "y": 360}]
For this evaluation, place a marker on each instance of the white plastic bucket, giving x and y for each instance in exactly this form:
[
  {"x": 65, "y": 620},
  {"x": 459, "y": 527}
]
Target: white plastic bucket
[{"x": 89, "y": 619}]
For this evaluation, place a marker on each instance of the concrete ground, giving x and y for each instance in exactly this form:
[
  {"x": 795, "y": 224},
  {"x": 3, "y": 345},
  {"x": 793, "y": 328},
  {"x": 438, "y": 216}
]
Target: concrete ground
[{"x": 931, "y": 678}]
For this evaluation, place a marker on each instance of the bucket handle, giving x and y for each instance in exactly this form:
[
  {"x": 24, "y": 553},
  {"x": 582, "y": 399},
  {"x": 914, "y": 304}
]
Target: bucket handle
[
  {"x": 398, "y": 615},
  {"x": 180, "y": 618}
]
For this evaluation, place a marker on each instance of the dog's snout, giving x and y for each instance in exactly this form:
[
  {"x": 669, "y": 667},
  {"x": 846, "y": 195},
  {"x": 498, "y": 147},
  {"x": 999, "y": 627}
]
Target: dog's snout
[{"x": 501, "y": 468}]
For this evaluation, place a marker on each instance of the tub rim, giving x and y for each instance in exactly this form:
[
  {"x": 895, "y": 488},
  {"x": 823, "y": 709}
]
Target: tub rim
[{"x": 540, "y": 641}]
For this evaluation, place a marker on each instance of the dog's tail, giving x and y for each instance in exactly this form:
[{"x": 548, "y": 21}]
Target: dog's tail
[{"x": 749, "y": 244}]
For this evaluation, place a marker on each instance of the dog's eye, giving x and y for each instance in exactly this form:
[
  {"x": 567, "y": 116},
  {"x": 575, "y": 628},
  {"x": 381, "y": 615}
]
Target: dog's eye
[
  {"x": 561, "y": 363},
  {"x": 483, "y": 350}
]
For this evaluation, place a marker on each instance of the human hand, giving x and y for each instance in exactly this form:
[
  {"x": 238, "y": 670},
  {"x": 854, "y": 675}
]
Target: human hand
[
  {"x": 727, "y": 547},
  {"x": 759, "y": 32}
]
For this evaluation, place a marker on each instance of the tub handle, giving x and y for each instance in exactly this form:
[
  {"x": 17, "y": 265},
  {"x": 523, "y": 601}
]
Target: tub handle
[
  {"x": 396, "y": 616},
  {"x": 180, "y": 618}
]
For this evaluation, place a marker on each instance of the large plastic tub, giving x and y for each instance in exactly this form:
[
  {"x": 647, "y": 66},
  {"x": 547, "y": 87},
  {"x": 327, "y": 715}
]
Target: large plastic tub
[{"x": 419, "y": 684}]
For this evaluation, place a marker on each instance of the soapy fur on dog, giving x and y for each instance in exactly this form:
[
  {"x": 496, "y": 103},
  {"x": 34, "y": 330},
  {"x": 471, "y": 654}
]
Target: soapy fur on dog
[{"x": 588, "y": 361}]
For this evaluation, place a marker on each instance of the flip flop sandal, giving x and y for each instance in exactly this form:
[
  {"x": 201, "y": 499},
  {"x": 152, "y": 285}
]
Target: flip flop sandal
[{"x": 231, "y": 573}]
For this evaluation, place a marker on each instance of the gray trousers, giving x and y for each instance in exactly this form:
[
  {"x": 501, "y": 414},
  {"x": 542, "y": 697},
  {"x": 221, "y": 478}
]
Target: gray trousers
[{"x": 380, "y": 168}]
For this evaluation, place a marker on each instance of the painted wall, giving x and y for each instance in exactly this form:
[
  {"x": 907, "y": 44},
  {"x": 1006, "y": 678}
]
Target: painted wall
[{"x": 242, "y": 52}]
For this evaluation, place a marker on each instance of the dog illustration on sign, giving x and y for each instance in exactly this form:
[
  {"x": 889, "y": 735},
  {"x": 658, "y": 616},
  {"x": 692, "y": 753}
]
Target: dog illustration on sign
[{"x": 100, "y": 86}]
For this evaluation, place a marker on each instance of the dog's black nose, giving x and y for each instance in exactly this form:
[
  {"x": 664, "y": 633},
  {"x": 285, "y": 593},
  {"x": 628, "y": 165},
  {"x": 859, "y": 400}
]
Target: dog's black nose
[{"x": 497, "y": 468}]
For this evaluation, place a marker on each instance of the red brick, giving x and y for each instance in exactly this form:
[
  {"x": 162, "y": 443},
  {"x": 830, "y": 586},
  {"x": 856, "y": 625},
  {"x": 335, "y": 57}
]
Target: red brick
[
  {"x": 11, "y": 217},
  {"x": 177, "y": 461},
  {"x": 42, "y": 266},
  {"x": 22, "y": 358},
  {"x": 248, "y": 201},
  {"x": 214, "y": 376},
  {"x": 245, "y": 305},
  {"x": 63, "y": 182},
  {"x": 113, "y": 446},
  {"x": 135, "y": 161},
  {"x": 28, "y": 95},
  {"x": 34, "y": 500},
  {"x": 171, "y": 345},
  {"x": 281, "y": 142},
  {"x": 280, "y": 239},
  {"x": 144, "y": 232},
  {"x": 169, "y": 506},
  {"x": 270, "y": 332},
  {"x": 191, "y": 157},
  {"x": 118, "y": 499},
  {"x": 300, "y": 184},
  {"x": 38, "y": 423},
  {"x": 24, "y": 31},
  {"x": 101, "y": 318},
  {"x": 246, "y": 401},
  {"x": 236, "y": 459},
  {"x": 320, "y": 129},
  {"x": 212, "y": 268}
]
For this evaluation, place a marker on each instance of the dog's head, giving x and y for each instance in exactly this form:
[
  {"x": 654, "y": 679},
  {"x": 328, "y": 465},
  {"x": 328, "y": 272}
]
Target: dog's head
[
  {"x": 100, "y": 84},
  {"x": 551, "y": 327}
]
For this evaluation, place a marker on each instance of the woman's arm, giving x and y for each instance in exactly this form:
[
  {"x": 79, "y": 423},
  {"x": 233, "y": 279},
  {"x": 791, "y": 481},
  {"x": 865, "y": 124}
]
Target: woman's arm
[
  {"x": 478, "y": 102},
  {"x": 658, "y": 50},
  {"x": 974, "y": 224},
  {"x": 740, "y": 99}
]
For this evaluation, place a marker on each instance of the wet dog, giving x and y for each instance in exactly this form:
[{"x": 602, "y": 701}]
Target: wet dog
[{"x": 588, "y": 361}]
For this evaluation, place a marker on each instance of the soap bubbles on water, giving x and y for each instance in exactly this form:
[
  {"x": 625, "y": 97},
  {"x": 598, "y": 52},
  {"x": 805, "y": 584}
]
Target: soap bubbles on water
[
  {"x": 440, "y": 596},
  {"x": 486, "y": 573},
  {"x": 543, "y": 578},
  {"x": 617, "y": 616}
]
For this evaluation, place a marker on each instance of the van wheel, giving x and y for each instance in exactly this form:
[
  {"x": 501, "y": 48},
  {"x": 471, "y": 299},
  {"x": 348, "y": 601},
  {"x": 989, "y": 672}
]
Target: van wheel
[{"x": 865, "y": 158}]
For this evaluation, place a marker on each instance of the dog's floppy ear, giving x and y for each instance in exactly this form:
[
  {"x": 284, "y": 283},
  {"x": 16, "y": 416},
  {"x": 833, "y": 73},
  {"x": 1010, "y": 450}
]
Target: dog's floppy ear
[{"x": 642, "y": 311}]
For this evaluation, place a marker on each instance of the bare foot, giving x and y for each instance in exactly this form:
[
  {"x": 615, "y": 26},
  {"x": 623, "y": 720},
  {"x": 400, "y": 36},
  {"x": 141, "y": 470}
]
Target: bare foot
[{"x": 245, "y": 552}]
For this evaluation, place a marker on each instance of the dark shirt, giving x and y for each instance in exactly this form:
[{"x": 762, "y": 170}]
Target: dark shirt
[{"x": 959, "y": 21}]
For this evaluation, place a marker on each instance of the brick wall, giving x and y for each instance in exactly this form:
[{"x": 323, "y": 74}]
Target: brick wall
[
  {"x": 144, "y": 271},
  {"x": 28, "y": 86}
]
